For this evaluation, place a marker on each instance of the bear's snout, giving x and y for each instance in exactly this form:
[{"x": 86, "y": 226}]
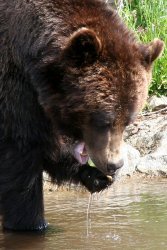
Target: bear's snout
[{"x": 113, "y": 167}]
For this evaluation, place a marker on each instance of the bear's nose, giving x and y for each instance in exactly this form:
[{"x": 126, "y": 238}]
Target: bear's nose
[{"x": 112, "y": 167}]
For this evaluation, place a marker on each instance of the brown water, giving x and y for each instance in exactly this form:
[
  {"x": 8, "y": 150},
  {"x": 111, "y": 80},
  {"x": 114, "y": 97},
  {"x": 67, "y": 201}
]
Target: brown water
[{"x": 131, "y": 216}]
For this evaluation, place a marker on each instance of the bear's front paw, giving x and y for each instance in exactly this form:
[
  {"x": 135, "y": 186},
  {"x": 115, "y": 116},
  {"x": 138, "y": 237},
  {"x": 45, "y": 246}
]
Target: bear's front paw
[
  {"x": 41, "y": 226},
  {"x": 94, "y": 180}
]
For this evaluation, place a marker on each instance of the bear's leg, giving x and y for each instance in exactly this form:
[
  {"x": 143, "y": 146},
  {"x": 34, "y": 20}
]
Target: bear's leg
[
  {"x": 23, "y": 209},
  {"x": 0, "y": 206}
]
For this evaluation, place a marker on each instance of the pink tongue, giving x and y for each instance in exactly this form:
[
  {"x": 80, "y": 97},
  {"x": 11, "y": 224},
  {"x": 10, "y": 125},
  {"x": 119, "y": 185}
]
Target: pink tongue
[{"x": 80, "y": 153}]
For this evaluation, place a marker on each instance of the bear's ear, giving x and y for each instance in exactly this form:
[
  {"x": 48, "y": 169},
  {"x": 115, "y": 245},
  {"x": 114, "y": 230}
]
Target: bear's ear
[
  {"x": 152, "y": 51},
  {"x": 82, "y": 48}
]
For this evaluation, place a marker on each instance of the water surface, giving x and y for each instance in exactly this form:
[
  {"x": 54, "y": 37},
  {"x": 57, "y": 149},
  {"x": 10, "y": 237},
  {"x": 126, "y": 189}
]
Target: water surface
[{"x": 127, "y": 216}]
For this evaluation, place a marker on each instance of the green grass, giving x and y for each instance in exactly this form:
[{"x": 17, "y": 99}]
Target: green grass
[{"x": 148, "y": 18}]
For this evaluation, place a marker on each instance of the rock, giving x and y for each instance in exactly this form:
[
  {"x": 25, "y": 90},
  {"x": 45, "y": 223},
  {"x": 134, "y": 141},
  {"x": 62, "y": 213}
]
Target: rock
[
  {"x": 131, "y": 159},
  {"x": 46, "y": 177},
  {"x": 151, "y": 140},
  {"x": 153, "y": 164},
  {"x": 156, "y": 103},
  {"x": 150, "y": 135}
]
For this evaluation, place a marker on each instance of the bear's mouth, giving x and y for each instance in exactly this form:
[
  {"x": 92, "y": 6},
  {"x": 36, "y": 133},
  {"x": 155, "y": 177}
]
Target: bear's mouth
[{"x": 80, "y": 153}]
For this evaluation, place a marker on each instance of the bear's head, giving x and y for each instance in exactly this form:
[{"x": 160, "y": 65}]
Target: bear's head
[{"x": 103, "y": 87}]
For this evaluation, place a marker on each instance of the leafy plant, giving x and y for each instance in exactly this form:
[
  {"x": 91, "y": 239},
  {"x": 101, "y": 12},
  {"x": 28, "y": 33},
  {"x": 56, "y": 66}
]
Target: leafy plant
[{"x": 149, "y": 20}]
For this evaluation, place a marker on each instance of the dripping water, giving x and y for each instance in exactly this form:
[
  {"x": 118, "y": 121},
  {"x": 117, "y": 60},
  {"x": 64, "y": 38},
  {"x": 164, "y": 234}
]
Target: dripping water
[{"x": 88, "y": 215}]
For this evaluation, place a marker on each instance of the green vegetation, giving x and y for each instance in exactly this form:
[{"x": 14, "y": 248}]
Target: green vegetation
[{"x": 149, "y": 19}]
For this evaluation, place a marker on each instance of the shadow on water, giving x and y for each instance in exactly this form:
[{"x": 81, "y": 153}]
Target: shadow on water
[
  {"x": 130, "y": 216},
  {"x": 27, "y": 241}
]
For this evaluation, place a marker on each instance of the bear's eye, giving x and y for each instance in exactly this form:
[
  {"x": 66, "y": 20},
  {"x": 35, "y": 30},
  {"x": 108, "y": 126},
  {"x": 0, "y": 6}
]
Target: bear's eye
[
  {"x": 103, "y": 126},
  {"x": 100, "y": 119}
]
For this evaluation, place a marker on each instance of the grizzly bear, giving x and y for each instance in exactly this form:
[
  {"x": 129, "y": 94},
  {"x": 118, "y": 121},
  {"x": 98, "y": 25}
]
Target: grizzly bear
[{"x": 69, "y": 69}]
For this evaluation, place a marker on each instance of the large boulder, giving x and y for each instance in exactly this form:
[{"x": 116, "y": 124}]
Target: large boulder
[
  {"x": 156, "y": 103},
  {"x": 131, "y": 159},
  {"x": 149, "y": 137}
]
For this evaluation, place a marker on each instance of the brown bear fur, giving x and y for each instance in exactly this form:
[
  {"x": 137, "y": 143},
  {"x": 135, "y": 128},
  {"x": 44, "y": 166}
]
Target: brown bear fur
[{"x": 69, "y": 68}]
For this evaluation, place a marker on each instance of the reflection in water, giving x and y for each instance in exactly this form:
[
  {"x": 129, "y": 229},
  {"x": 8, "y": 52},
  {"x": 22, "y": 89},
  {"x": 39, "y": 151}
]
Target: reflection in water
[{"x": 129, "y": 216}]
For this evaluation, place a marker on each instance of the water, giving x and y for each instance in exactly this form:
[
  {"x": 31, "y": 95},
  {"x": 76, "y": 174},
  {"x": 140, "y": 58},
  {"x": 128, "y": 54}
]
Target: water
[{"x": 127, "y": 216}]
